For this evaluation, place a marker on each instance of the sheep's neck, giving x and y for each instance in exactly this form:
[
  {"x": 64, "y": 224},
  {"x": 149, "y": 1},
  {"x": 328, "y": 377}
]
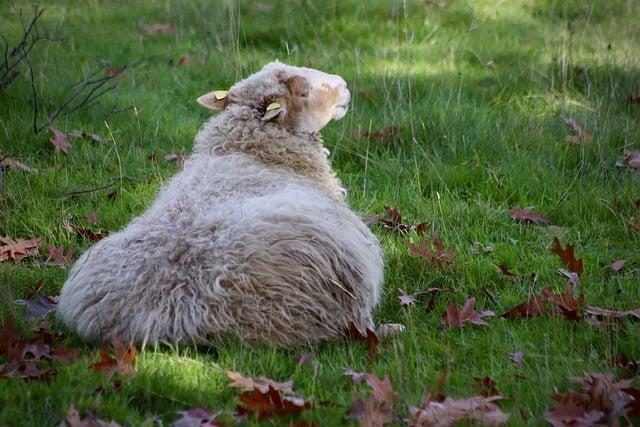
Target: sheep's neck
[{"x": 300, "y": 153}]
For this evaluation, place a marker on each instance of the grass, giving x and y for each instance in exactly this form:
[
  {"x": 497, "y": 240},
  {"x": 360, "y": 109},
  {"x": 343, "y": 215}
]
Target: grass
[{"x": 478, "y": 88}]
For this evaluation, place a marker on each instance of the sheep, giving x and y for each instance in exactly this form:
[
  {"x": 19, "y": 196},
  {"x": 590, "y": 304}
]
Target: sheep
[{"x": 252, "y": 239}]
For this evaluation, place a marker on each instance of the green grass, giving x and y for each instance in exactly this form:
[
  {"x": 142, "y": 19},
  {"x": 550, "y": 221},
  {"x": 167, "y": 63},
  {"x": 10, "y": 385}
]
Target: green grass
[{"x": 478, "y": 87}]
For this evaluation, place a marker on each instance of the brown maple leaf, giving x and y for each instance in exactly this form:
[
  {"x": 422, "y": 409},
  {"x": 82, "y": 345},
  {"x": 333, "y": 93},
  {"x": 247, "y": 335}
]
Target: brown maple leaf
[
  {"x": 381, "y": 390},
  {"x": 534, "y": 306},
  {"x": 59, "y": 140},
  {"x": 73, "y": 419},
  {"x": 15, "y": 165},
  {"x": 93, "y": 137},
  {"x": 450, "y": 412},
  {"x": 271, "y": 404},
  {"x": 567, "y": 256},
  {"x": 527, "y": 215},
  {"x": 456, "y": 318},
  {"x": 436, "y": 256},
  {"x": 370, "y": 413},
  {"x": 56, "y": 255},
  {"x": 486, "y": 386},
  {"x": 370, "y": 339},
  {"x": 392, "y": 220},
  {"x": 247, "y": 383},
  {"x": 18, "y": 249},
  {"x": 124, "y": 362},
  {"x": 603, "y": 312},
  {"x": 569, "y": 306}
]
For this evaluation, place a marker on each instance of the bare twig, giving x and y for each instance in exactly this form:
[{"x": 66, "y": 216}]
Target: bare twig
[{"x": 14, "y": 56}]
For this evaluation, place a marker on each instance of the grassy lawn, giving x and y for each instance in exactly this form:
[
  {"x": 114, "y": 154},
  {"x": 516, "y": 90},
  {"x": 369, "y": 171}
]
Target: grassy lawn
[{"x": 477, "y": 90}]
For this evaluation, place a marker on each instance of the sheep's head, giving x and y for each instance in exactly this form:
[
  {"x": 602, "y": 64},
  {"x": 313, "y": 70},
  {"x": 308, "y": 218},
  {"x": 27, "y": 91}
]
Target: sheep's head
[{"x": 302, "y": 99}]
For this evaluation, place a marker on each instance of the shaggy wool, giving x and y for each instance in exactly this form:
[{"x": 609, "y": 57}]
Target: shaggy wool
[{"x": 253, "y": 239}]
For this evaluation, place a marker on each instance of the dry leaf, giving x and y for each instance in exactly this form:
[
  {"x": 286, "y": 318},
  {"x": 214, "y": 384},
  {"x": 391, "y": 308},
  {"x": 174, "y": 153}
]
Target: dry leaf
[
  {"x": 15, "y": 165},
  {"x": 271, "y": 404},
  {"x": 387, "y": 330},
  {"x": 436, "y": 256},
  {"x": 567, "y": 256},
  {"x": 18, "y": 249},
  {"x": 455, "y": 318},
  {"x": 123, "y": 363},
  {"x": 450, "y": 412},
  {"x": 59, "y": 140},
  {"x": 247, "y": 383},
  {"x": 527, "y": 215},
  {"x": 517, "y": 358},
  {"x": 580, "y": 134}
]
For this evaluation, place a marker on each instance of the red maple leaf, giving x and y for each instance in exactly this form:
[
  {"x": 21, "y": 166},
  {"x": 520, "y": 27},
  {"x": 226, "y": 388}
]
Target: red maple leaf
[
  {"x": 370, "y": 338},
  {"x": 123, "y": 363},
  {"x": 456, "y": 318},
  {"x": 567, "y": 256},
  {"x": 437, "y": 257},
  {"x": 271, "y": 404}
]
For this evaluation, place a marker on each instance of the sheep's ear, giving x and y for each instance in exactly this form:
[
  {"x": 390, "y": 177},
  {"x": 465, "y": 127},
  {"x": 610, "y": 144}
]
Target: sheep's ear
[
  {"x": 216, "y": 100},
  {"x": 274, "y": 110}
]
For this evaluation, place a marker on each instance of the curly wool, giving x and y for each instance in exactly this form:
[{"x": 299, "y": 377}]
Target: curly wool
[{"x": 253, "y": 238}]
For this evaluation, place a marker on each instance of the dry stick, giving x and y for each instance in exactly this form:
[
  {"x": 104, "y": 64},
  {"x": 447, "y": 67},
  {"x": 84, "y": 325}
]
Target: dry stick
[{"x": 20, "y": 52}]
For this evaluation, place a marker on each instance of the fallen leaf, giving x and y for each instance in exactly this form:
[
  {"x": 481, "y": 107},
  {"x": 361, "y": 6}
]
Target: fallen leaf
[
  {"x": 173, "y": 157},
  {"x": 92, "y": 218},
  {"x": 392, "y": 220},
  {"x": 271, "y": 404},
  {"x": 603, "y": 312},
  {"x": 159, "y": 28},
  {"x": 385, "y": 135},
  {"x": 18, "y": 249},
  {"x": 534, "y": 306},
  {"x": 455, "y": 318},
  {"x": 631, "y": 159},
  {"x": 356, "y": 377},
  {"x": 476, "y": 247},
  {"x": 527, "y": 215},
  {"x": 407, "y": 300},
  {"x": 387, "y": 330},
  {"x": 437, "y": 257},
  {"x": 450, "y": 412},
  {"x": 184, "y": 60},
  {"x": 517, "y": 358},
  {"x": 73, "y": 419},
  {"x": 618, "y": 265},
  {"x": 197, "y": 417},
  {"x": 59, "y": 140},
  {"x": 505, "y": 270},
  {"x": 15, "y": 165},
  {"x": 381, "y": 389},
  {"x": 573, "y": 277},
  {"x": 262, "y": 384},
  {"x": 569, "y": 306},
  {"x": 370, "y": 413},
  {"x": 124, "y": 362},
  {"x": 486, "y": 386},
  {"x": 92, "y": 235},
  {"x": 370, "y": 339},
  {"x": 86, "y": 135},
  {"x": 633, "y": 100},
  {"x": 65, "y": 354},
  {"x": 56, "y": 255},
  {"x": 567, "y": 256},
  {"x": 580, "y": 134},
  {"x": 38, "y": 306},
  {"x": 492, "y": 295}
]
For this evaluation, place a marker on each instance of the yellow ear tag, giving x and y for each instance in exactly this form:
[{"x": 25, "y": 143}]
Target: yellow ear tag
[
  {"x": 220, "y": 94},
  {"x": 273, "y": 106}
]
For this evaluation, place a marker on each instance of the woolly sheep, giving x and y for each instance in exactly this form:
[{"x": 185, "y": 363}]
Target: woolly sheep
[{"x": 253, "y": 238}]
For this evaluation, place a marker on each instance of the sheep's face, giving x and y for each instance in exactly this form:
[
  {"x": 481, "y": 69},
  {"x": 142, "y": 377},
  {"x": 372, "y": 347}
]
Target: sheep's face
[{"x": 302, "y": 99}]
